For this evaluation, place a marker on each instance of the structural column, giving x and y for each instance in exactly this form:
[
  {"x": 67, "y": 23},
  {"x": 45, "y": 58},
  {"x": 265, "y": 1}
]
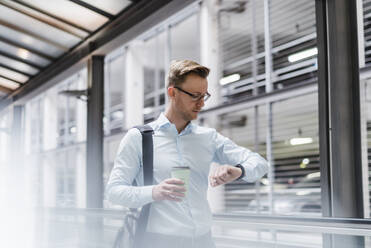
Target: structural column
[
  {"x": 94, "y": 139},
  {"x": 16, "y": 165},
  {"x": 339, "y": 114}
]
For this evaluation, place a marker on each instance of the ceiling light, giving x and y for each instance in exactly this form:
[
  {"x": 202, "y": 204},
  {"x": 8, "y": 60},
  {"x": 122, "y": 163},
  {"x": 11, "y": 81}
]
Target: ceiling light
[
  {"x": 303, "y": 192},
  {"x": 314, "y": 175},
  {"x": 23, "y": 53},
  {"x": 303, "y": 54},
  {"x": 73, "y": 129},
  {"x": 229, "y": 79},
  {"x": 264, "y": 181},
  {"x": 147, "y": 110},
  {"x": 300, "y": 141}
]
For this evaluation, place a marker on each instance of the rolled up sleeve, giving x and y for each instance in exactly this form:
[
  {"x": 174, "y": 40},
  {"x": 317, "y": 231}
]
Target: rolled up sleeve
[
  {"x": 127, "y": 168},
  {"x": 227, "y": 152}
]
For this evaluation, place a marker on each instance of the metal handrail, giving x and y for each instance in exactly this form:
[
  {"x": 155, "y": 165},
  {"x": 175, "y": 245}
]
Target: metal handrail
[
  {"x": 328, "y": 225},
  {"x": 346, "y": 226}
]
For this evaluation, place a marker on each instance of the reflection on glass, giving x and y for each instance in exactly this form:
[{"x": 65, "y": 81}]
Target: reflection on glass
[
  {"x": 240, "y": 127},
  {"x": 185, "y": 39},
  {"x": 296, "y": 155},
  {"x": 115, "y": 77},
  {"x": 153, "y": 75}
]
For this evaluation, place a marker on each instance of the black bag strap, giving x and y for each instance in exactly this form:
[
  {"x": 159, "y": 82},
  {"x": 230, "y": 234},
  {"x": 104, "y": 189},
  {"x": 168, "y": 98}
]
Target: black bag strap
[
  {"x": 147, "y": 153},
  {"x": 147, "y": 157}
]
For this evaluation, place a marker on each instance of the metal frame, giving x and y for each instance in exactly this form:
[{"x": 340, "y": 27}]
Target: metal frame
[
  {"x": 345, "y": 226},
  {"x": 5, "y": 89},
  {"x": 95, "y": 133},
  {"x": 339, "y": 115},
  {"x": 94, "y": 9}
]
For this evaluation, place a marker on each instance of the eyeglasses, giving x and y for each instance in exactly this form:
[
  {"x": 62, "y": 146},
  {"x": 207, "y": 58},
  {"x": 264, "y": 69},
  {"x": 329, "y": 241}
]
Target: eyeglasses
[{"x": 195, "y": 97}]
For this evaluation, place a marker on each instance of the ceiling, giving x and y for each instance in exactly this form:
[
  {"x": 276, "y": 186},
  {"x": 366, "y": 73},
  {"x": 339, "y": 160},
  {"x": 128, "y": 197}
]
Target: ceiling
[{"x": 35, "y": 34}]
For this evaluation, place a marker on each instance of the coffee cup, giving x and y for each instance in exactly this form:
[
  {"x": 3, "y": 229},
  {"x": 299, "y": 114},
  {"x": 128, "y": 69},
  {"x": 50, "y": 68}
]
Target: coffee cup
[{"x": 182, "y": 173}]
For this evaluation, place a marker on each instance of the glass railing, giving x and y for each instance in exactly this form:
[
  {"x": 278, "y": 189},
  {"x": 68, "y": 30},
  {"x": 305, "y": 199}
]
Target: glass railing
[{"x": 85, "y": 228}]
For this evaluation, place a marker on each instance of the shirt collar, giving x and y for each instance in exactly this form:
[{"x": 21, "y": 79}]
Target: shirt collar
[{"x": 163, "y": 121}]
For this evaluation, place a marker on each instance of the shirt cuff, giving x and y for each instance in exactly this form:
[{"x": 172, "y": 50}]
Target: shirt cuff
[{"x": 147, "y": 194}]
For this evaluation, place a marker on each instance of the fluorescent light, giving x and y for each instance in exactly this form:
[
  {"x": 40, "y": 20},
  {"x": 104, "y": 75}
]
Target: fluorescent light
[
  {"x": 264, "y": 181},
  {"x": 303, "y": 54},
  {"x": 300, "y": 141},
  {"x": 230, "y": 79},
  {"x": 313, "y": 175},
  {"x": 117, "y": 115},
  {"x": 306, "y": 161},
  {"x": 147, "y": 110},
  {"x": 73, "y": 129},
  {"x": 303, "y": 192}
]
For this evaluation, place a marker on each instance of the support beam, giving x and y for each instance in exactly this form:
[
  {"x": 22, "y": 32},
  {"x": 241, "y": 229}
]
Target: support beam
[
  {"x": 94, "y": 9},
  {"x": 339, "y": 115},
  {"x": 5, "y": 90},
  {"x": 94, "y": 140},
  {"x": 17, "y": 175}
]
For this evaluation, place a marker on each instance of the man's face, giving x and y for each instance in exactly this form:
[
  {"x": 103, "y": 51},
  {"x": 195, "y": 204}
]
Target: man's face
[{"x": 185, "y": 105}]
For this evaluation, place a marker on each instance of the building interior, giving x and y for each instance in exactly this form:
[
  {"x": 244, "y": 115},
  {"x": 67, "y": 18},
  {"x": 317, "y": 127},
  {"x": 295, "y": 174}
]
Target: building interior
[{"x": 289, "y": 79}]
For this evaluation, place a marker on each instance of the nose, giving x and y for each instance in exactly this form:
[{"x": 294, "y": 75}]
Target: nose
[{"x": 200, "y": 103}]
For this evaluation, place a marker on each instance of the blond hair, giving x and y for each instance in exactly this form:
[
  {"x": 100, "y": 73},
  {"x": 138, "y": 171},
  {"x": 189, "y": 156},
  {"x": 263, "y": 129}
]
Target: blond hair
[{"x": 180, "y": 69}]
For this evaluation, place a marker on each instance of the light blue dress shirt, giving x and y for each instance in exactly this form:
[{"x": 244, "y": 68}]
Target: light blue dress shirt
[{"x": 196, "y": 147}]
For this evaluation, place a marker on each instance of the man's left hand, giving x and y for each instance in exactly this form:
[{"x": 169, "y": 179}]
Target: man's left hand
[{"x": 224, "y": 174}]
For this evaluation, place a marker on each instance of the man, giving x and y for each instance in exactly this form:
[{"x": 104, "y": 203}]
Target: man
[{"x": 176, "y": 219}]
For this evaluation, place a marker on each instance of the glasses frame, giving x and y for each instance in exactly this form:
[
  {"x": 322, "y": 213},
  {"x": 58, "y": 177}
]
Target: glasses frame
[{"x": 195, "y": 98}]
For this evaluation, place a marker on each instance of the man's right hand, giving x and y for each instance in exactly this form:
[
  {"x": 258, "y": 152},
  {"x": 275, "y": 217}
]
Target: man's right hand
[{"x": 170, "y": 189}]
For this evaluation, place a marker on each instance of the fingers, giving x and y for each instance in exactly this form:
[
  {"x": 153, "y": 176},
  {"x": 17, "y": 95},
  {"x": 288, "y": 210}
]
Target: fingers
[
  {"x": 174, "y": 181},
  {"x": 172, "y": 187},
  {"x": 220, "y": 176},
  {"x": 173, "y": 196}
]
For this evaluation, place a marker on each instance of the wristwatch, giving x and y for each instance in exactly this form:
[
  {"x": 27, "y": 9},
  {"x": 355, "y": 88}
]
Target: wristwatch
[{"x": 243, "y": 171}]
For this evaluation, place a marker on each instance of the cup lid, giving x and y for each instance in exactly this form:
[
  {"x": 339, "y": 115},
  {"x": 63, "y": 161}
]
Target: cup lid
[{"x": 180, "y": 167}]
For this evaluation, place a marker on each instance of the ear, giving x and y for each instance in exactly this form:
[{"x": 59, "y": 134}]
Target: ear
[{"x": 171, "y": 92}]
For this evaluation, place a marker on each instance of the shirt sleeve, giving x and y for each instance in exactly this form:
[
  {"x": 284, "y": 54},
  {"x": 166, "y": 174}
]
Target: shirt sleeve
[
  {"x": 127, "y": 168},
  {"x": 227, "y": 152}
]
